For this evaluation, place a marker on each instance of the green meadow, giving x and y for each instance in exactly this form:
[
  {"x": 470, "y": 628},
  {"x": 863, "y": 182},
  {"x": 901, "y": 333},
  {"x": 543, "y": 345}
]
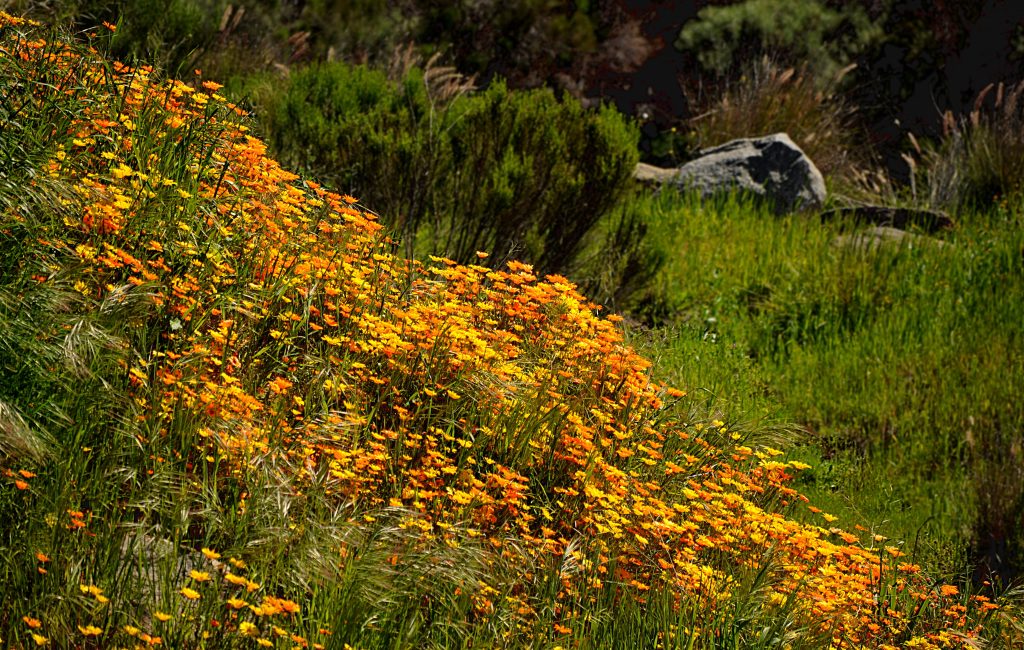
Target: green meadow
[{"x": 894, "y": 369}]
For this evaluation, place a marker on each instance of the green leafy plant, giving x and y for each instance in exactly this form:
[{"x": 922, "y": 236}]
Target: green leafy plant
[{"x": 533, "y": 172}]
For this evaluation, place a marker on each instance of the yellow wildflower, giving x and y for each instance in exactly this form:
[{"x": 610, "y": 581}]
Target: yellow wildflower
[
  {"x": 191, "y": 594},
  {"x": 199, "y": 576}
]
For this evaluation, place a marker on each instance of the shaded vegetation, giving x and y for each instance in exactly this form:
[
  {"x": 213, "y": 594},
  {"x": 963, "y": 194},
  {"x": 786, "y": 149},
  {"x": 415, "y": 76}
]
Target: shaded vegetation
[{"x": 724, "y": 37}]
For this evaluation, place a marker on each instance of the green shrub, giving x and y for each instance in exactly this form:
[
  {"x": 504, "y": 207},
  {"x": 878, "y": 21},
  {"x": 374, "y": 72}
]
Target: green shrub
[
  {"x": 723, "y": 37},
  {"x": 512, "y": 173},
  {"x": 356, "y": 131},
  {"x": 533, "y": 172}
]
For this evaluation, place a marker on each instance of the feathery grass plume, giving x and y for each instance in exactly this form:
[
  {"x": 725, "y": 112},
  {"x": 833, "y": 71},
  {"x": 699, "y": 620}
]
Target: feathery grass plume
[
  {"x": 769, "y": 98},
  {"x": 977, "y": 161},
  {"x": 18, "y": 442}
]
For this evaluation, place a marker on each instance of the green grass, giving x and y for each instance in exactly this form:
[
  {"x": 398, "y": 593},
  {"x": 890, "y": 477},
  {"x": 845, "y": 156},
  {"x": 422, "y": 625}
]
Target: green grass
[{"x": 900, "y": 367}]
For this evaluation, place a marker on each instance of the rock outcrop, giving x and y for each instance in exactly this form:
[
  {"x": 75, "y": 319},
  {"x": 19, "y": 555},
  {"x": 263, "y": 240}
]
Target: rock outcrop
[{"x": 773, "y": 167}]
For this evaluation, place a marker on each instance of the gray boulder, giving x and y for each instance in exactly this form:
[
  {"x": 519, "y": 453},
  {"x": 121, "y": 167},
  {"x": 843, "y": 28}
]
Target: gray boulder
[{"x": 773, "y": 167}]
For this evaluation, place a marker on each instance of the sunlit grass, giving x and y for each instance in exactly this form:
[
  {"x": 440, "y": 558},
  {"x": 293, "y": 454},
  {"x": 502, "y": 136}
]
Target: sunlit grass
[
  {"x": 900, "y": 364},
  {"x": 233, "y": 417}
]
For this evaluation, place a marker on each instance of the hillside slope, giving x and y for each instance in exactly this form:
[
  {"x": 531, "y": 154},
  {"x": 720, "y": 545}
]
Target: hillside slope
[{"x": 231, "y": 415}]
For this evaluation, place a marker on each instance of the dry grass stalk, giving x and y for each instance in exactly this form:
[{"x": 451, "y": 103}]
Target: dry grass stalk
[
  {"x": 443, "y": 82},
  {"x": 980, "y": 155},
  {"x": 770, "y": 99}
]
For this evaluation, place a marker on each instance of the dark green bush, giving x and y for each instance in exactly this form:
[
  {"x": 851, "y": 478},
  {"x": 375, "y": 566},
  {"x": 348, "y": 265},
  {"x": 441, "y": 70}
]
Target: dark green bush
[
  {"x": 792, "y": 31},
  {"x": 513, "y": 173},
  {"x": 532, "y": 172},
  {"x": 355, "y": 130}
]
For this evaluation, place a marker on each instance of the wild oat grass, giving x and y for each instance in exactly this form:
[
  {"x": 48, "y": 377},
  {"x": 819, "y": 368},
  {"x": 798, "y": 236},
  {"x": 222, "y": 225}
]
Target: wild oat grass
[
  {"x": 769, "y": 98},
  {"x": 978, "y": 160},
  {"x": 234, "y": 417}
]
